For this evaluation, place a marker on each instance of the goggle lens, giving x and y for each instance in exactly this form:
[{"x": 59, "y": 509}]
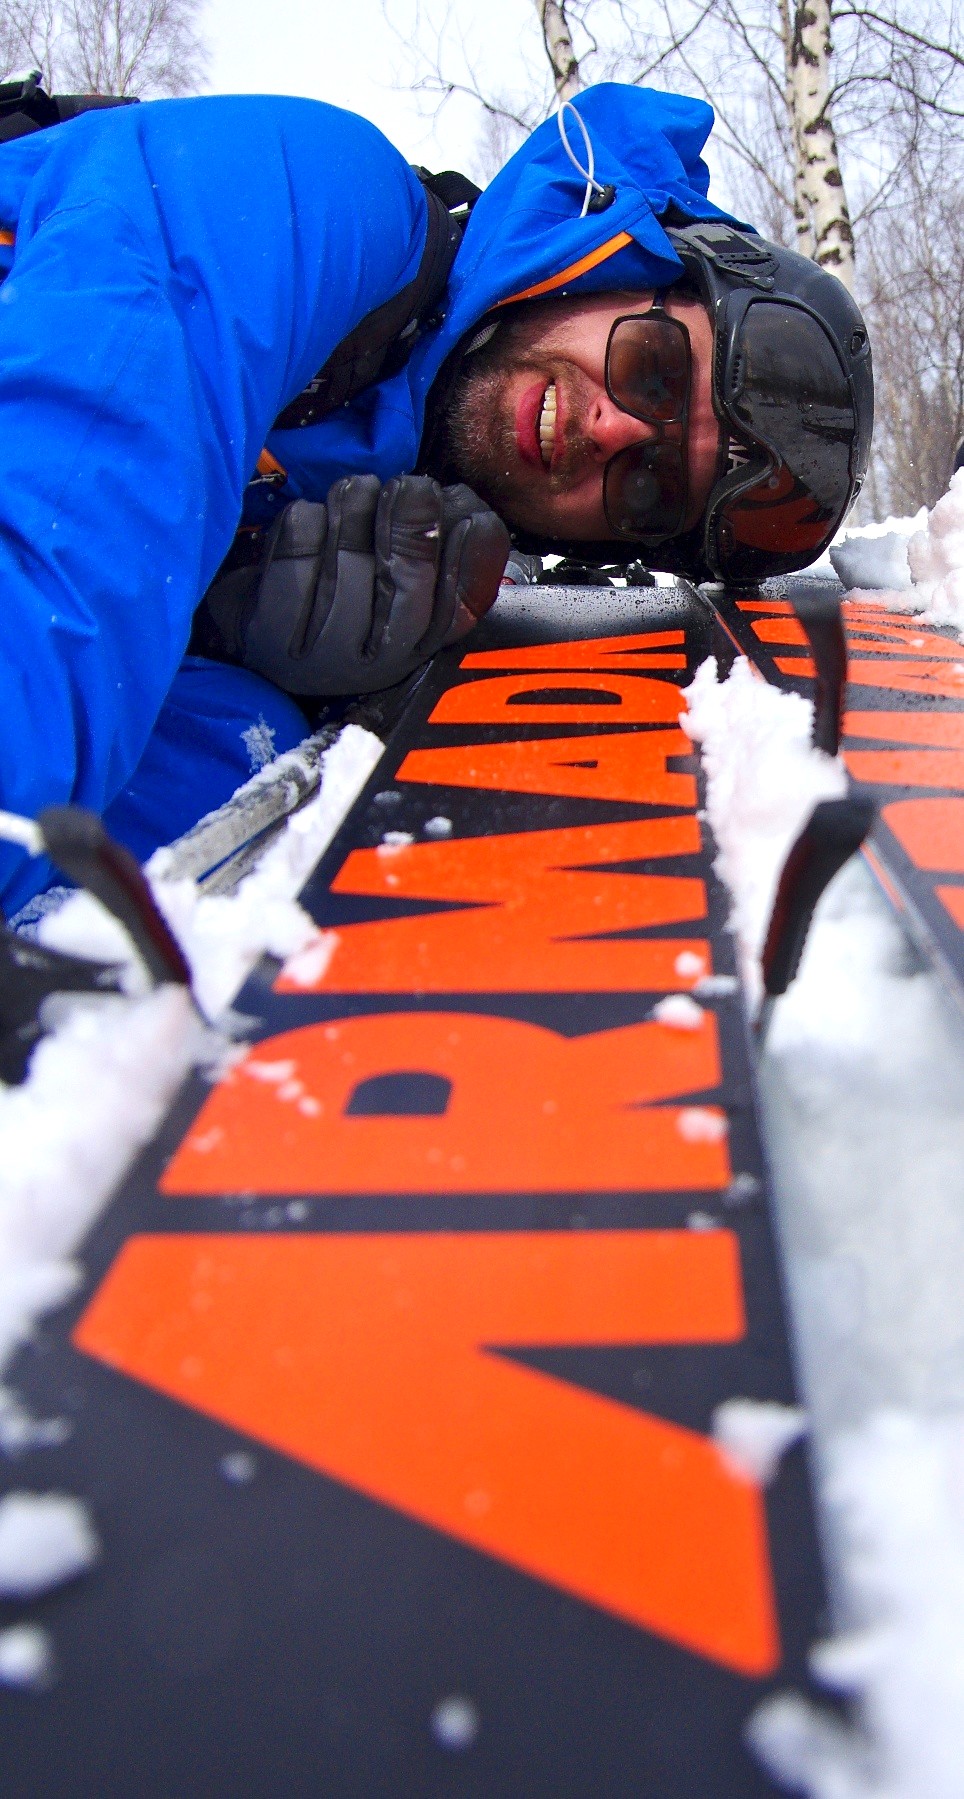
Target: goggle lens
[{"x": 791, "y": 395}]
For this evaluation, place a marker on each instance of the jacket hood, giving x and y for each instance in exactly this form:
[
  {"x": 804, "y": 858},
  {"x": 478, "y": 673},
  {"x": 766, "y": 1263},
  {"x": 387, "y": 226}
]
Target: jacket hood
[{"x": 525, "y": 237}]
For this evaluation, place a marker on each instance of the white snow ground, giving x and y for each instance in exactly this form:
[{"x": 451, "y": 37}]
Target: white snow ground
[
  {"x": 863, "y": 1086},
  {"x": 879, "y": 549},
  {"x": 911, "y": 565}
]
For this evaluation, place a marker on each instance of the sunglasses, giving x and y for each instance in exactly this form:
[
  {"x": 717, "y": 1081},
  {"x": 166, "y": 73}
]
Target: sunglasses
[{"x": 648, "y": 369}]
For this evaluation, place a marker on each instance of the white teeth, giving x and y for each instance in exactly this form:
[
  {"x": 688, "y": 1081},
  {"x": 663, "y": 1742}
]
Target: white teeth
[{"x": 547, "y": 424}]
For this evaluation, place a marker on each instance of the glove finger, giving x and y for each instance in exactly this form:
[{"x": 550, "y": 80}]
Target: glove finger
[
  {"x": 278, "y": 609},
  {"x": 300, "y": 531},
  {"x": 346, "y": 571},
  {"x": 408, "y": 542},
  {"x": 276, "y": 621},
  {"x": 460, "y": 502},
  {"x": 473, "y": 563},
  {"x": 352, "y": 505}
]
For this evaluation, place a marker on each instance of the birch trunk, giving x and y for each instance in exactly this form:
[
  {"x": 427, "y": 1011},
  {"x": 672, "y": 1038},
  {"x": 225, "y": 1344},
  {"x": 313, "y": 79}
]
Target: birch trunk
[
  {"x": 558, "y": 42},
  {"x": 820, "y": 201},
  {"x": 801, "y": 208}
]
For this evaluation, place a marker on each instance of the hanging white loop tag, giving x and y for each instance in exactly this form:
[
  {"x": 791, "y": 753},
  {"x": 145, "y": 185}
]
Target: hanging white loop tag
[{"x": 589, "y": 173}]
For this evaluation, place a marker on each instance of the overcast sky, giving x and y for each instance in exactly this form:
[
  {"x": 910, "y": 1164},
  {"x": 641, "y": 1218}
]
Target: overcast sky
[{"x": 345, "y": 52}]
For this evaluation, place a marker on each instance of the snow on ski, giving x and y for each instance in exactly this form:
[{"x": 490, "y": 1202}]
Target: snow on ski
[
  {"x": 903, "y": 742},
  {"x": 444, "y": 1335}
]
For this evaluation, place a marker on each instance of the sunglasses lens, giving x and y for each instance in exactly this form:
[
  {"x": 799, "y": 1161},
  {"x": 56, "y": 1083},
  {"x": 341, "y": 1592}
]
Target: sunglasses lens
[
  {"x": 648, "y": 368},
  {"x": 644, "y": 491}
]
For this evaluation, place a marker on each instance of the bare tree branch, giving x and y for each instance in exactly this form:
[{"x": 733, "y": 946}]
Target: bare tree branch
[
  {"x": 147, "y": 47},
  {"x": 892, "y": 28}
]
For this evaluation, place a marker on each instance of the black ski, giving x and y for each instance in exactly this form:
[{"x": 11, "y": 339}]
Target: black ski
[{"x": 396, "y": 1360}]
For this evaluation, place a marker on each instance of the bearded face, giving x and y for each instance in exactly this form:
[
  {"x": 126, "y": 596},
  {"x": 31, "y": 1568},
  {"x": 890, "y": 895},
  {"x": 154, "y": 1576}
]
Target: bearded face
[{"x": 531, "y": 427}]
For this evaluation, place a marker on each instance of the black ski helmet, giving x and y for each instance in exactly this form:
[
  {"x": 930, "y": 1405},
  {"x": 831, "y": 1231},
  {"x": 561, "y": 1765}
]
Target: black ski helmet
[{"x": 793, "y": 390}]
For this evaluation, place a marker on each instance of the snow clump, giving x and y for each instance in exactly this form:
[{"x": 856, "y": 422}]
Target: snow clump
[
  {"x": 875, "y": 562},
  {"x": 678, "y": 1011},
  {"x": 100, "y": 1083},
  {"x": 20, "y": 1430},
  {"x": 753, "y": 1435},
  {"x": 876, "y": 555},
  {"x": 895, "y": 1493},
  {"x": 763, "y": 780},
  {"x": 702, "y": 1124},
  {"x": 863, "y": 1082},
  {"x": 26, "y": 1657},
  {"x": 45, "y": 1539},
  {"x": 225, "y": 935},
  {"x": 689, "y": 965},
  {"x": 935, "y": 558},
  {"x": 455, "y": 1722},
  {"x": 98, "y": 1088}
]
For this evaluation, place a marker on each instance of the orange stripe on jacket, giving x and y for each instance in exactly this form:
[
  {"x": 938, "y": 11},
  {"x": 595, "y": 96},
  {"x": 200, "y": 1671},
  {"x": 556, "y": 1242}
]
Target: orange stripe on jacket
[
  {"x": 8, "y": 237},
  {"x": 574, "y": 270}
]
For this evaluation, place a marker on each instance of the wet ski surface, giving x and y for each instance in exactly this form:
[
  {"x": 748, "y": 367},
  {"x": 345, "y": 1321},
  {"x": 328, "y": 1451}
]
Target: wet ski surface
[{"x": 394, "y": 1367}]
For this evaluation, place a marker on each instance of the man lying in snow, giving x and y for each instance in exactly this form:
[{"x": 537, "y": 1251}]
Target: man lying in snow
[{"x": 186, "y": 345}]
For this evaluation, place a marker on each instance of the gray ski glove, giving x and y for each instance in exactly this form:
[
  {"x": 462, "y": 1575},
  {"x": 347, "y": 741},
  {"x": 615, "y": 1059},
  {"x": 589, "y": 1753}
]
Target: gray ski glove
[{"x": 353, "y": 595}]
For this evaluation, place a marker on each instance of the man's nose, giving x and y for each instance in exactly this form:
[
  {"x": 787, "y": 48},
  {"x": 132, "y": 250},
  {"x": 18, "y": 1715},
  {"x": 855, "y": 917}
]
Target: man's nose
[{"x": 610, "y": 429}]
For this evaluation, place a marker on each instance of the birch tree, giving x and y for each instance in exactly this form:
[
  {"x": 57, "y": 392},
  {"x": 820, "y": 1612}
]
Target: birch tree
[
  {"x": 850, "y": 95},
  {"x": 557, "y": 39},
  {"x": 820, "y": 208},
  {"x": 561, "y": 47}
]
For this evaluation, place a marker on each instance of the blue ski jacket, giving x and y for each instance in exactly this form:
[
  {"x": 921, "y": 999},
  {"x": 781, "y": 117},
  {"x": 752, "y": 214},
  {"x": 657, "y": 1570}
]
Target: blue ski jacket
[{"x": 175, "y": 274}]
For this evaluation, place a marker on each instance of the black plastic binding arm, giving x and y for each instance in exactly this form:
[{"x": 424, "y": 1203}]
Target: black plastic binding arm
[
  {"x": 29, "y": 974},
  {"x": 78, "y": 843},
  {"x": 833, "y": 833},
  {"x": 817, "y": 606}
]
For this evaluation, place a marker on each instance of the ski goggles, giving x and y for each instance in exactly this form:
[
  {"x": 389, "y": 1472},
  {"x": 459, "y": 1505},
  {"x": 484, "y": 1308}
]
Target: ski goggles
[
  {"x": 647, "y": 373},
  {"x": 783, "y": 393}
]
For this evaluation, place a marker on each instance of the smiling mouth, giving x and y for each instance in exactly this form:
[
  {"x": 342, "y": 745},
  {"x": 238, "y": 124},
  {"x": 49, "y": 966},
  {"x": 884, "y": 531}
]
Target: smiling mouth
[{"x": 546, "y": 425}]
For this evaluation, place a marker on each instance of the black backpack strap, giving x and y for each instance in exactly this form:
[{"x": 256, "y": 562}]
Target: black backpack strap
[
  {"x": 455, "y": 191},
  {"x": 381, "y": 344},
  {"x": 24, "y": 107}
]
